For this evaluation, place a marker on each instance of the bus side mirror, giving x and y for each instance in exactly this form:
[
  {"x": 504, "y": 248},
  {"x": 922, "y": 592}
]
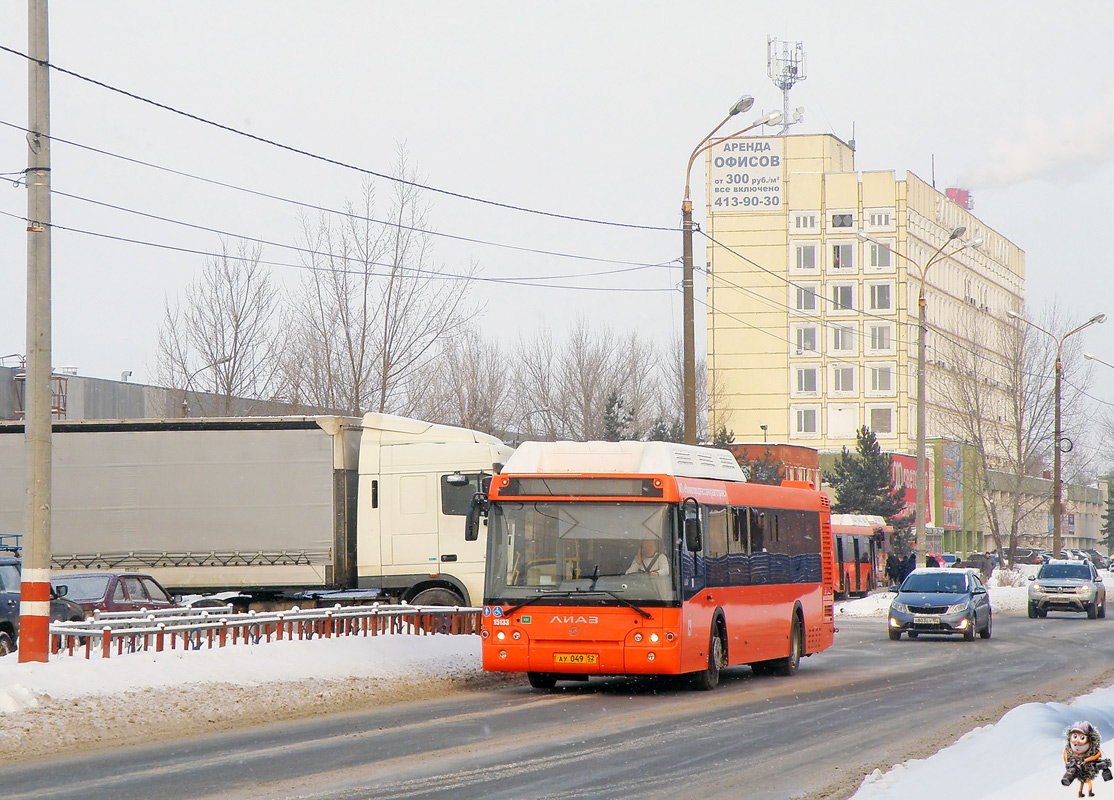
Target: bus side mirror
[
  {"x": 691, "y": 514},
  {"x": 477, "y": 510}
]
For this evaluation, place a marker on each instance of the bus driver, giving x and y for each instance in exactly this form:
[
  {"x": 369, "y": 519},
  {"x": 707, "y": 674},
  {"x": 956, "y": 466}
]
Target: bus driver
[{"x": 649, "y": 561}]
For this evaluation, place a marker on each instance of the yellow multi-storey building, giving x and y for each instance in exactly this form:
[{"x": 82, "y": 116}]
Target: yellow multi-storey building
[{"x": 813, "y": 278}]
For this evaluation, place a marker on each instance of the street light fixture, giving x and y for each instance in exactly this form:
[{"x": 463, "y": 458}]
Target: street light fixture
[
  {"x": 743, "y": 104},
  {"x": 1091, "y": 357},
  {"x": 189, "y": 382},
  {"x": 1057, "y": 484},
  {"x": 939, "y": 255}
]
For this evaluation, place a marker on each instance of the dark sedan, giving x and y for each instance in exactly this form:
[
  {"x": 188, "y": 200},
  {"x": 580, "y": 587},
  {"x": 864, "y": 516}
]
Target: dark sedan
[
  {"x": 61, "y": 608},
  {"x": 940, "y": 601},
  {"x": 113, "y": 591}
]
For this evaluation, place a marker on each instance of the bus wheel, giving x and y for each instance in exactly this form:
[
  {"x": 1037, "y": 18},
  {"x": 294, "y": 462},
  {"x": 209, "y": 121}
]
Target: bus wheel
[
  {"x": 708, "y": 679},
  {"x": 541, "y": 680},
  {"x": 790, "y": 664}
]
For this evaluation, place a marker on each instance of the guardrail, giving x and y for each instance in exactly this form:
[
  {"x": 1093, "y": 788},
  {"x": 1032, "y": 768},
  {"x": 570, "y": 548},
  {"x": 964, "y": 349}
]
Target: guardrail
[{"x": 125, "y": 632}]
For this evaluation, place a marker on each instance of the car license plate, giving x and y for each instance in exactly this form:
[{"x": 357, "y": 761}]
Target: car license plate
[
  {"x": 575, "y": 658},
  {"x": 926, "y": 620}
]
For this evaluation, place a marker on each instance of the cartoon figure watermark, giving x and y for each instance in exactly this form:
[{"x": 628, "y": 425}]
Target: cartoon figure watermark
[{"x": 1082, "y": 757}]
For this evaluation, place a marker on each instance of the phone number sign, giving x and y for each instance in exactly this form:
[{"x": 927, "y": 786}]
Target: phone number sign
[{"x": 746, "y": 175}]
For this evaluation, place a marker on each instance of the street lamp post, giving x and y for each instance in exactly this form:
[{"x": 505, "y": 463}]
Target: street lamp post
[
  {"x": 939, "y": 255},
  {"x": 689, "y": 335},
  {"x": 1057, "y": 484},
  {"x": 189, "y": 382}
]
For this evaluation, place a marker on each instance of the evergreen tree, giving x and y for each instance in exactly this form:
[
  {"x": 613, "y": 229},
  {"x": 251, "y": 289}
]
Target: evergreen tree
[
  {"x": 1107, "y": 530},
  {"x": 723, "y": 437},
  {"x": 617, "y": 419},
  {"x": 662, "y": 431},
  {"x": 863, "y": 483},
  {"x": 766, "y": 469}
]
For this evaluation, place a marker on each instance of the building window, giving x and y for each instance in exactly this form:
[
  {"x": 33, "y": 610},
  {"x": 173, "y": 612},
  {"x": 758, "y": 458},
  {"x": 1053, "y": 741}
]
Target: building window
[
  {"x": 879, "y": 219},
  {"x": 806, "y": 380},
  {"x": 843, "y": 379},
  {"x": 804, "y": 257},
  {"x": 804, "y": 222},
  {"x": 806, "y": 340},
  {"x": 880, "y": 297},
  {"x": 843, "y": 297},
  {"x": 843, "y": 256},
  {"x": 843, "y": 220},
  {"x": 882, "y": 420},
  {"x": 805, "y": 296},
  {"x": 805, "y": 421},
  {"x": 881, "y": 337},
  {"x": 880, "y": 256},
  {"x": 881, "y": 379},
  {"x": 843, "y": 339}
]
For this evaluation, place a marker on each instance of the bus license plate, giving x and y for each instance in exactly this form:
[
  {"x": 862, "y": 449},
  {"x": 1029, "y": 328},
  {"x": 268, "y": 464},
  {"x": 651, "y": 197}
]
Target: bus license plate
[
  {"x": 575, "y": 658},
  {"x": 926, "y": 620}
]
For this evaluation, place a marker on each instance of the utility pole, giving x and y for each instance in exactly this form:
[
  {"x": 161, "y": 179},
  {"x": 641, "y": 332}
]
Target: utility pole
[{"x": 34, "y": 607}]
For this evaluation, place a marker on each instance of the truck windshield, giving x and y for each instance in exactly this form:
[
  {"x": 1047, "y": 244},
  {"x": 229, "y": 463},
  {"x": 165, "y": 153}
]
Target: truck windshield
[{"x": 565, "y": 549}]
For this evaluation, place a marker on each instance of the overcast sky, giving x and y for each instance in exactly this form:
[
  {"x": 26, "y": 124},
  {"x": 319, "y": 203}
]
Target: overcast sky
[{"x": 584, "y": 109}]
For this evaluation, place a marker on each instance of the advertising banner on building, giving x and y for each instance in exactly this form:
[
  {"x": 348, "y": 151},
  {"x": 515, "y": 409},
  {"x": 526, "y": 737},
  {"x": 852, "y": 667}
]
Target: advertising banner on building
[
  {"x": 951, "y": 486},
  {"x": 905, "y": 472},
  {"x": 746, "y": 175}
]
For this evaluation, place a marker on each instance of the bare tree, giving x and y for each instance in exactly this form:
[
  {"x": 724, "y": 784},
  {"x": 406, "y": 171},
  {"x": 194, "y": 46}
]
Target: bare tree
[
  {"x": 996, "y": 395},
  {"x": 224, "y": 332},
  {"x": 468, "y": 384},
  {"x": 564, "y": 390},
  {"x": 374, "y": 307}
]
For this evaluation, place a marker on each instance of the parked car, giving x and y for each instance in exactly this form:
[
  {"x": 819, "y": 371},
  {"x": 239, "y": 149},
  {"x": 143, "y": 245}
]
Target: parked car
[
  {"x": 948, "y": 559},
  {"x": 1026, "y": 555},
  {"x": 1067, "y": 585},
  {"x": 113, "y": 591},
  {"x": 939, "y": 600},
  {"x": 1098, "y": 559},
  {"x": 61, "y": 608}
]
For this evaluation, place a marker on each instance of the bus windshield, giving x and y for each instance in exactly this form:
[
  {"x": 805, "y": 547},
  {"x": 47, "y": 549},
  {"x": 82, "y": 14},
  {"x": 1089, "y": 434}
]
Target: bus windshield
[{"x": 564, "y": 549}]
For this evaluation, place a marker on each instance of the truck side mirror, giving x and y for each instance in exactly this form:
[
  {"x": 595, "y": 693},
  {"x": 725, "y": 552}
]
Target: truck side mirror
[
  {"x": 477, "y": 510},
  {"x": 690, "y": 513}
]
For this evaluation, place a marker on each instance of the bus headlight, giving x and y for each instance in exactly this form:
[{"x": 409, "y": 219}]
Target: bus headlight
[
  {"x": 649, "y": 656},
  {"x": 653, "y": 637},
  {"x": 638, "y": 637},
  {"x": 502, "y": 654},
  {"x": 500, "y": 636}
]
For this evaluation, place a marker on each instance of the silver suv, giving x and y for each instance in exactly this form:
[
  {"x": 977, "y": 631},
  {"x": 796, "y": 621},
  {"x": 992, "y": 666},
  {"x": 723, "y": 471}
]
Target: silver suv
[{"x": 1067, "y": 585}]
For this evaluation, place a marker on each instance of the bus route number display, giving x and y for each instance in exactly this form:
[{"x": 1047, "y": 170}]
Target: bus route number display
[{"x": 746, "y": 175}]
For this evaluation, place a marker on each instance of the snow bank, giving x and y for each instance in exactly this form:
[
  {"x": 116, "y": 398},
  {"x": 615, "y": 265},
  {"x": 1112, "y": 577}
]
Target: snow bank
[
  {"x": 387, "y": 658},
  {"x": 1019, "y": 758}
]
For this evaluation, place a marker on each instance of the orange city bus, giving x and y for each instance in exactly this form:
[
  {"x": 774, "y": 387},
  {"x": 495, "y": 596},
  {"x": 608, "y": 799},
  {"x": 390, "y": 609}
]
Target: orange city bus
[
  {"x": 857, "y": 540},
  {"x": 649, "y": 558}
]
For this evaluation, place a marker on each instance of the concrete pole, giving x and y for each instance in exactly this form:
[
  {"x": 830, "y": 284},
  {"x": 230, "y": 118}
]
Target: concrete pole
[
  {"x": 689, "y": 378},
  {"x": 34, "y": 607},
  {"x": 922, "y": 471},
  {"x": 1057, "y": 486}
]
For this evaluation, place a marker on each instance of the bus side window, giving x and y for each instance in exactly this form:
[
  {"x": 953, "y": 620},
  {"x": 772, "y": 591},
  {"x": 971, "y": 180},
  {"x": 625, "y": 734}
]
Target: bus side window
[
  {"x": 739, "y": 530},
  {"x": 757, "y": 531}
]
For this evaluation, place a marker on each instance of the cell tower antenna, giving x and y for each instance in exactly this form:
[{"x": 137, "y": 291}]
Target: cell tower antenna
[{"x": 786, "y": 66}]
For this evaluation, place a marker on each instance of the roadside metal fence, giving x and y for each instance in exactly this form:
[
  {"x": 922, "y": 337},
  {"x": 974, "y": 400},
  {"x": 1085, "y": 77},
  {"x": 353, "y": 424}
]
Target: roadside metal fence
[{"x": 119, "y": 633}]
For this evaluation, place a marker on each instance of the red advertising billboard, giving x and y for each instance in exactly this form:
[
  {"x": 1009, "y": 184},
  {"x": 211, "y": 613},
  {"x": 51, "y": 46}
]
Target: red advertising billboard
[{"x": 905, "y": 472}]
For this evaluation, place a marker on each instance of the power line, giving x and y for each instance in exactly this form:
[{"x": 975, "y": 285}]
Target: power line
[
  {"x": 518, "y": 281},
  {"x": 336, "y": 162},
  {"x": 314, "y": 206},
  {"x": 312, "y": 251}
]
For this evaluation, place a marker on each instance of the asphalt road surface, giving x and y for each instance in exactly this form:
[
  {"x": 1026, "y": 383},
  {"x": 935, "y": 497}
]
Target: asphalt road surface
[{"x": 867, "y": 702}]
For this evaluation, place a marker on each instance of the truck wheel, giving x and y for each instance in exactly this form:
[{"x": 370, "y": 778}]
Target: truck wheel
[
  {"x": 1092, "y": 610},
  {"x": 1032, "y": 611},
  {"x": 437, "y": 597},
  {"x": 6, "y": 645},
  {"x": 541, "y": 680}
]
